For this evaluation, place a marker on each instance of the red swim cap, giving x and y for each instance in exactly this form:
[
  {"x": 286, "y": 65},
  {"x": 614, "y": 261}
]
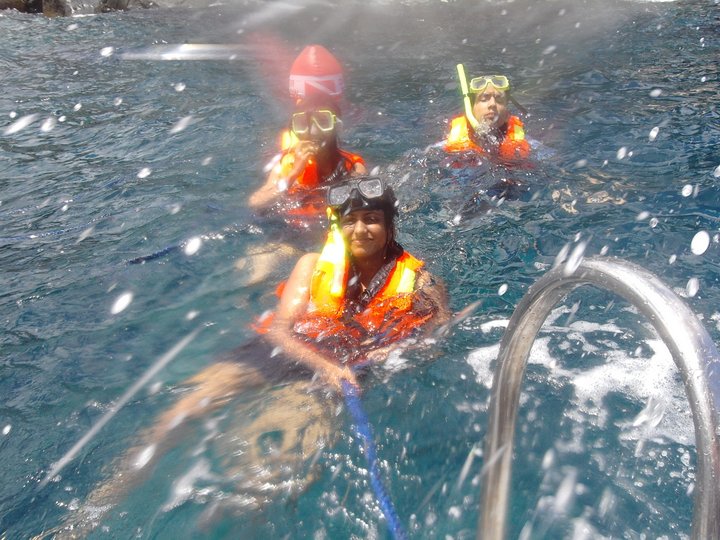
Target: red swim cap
[{"x": 316, "y": 71}]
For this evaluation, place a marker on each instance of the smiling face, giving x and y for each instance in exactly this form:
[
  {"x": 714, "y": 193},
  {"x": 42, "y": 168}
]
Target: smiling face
[
  {"x": 366, "y": 233},
  {"x": 490, "y": 107}
]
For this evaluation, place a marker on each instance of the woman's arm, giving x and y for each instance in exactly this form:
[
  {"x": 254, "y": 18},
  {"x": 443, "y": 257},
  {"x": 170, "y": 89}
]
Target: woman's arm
[
  {"x": 293, "y": 304},
  {"x": 283, "y": 174}
]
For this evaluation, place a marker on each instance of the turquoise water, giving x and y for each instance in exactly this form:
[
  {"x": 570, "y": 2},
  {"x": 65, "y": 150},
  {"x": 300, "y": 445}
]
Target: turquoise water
[{"x": 106, "y": 159}]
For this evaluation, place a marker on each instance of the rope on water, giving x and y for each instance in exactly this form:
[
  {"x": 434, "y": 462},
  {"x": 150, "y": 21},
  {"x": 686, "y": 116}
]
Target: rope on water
[{"x": 364, "y": 433}]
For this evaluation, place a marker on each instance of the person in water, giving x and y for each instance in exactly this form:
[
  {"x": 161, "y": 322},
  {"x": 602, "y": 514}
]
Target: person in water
[
  {"x": 310, "y": 158},
  {"x": 363, "y": 292},
  {"x": 341, "y": 310},
  {"x": 294, "y": 192},
  {"x": 487, "y": 126}
]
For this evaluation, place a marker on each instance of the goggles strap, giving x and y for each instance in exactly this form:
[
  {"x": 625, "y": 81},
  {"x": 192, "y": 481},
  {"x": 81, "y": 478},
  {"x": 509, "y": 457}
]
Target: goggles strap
[{"x": 522, "y": 109}]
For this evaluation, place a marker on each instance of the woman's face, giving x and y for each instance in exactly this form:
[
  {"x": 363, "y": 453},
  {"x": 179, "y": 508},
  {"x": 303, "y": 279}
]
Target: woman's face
[
  {"x": 365, "y": 233},
  {"x": 490, "y": 107}
]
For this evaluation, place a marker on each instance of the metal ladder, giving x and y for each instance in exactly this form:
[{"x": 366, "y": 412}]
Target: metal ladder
[{"x": 692, "y": 349}]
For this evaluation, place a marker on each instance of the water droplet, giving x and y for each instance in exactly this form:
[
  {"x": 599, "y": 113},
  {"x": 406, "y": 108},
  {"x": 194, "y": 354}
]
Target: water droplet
[
  {"x": 117, "y": 101},
  {"x": 144, "y": 172},
  {"x": 575, "y": 258},
  {"x": 655, "y": 92},
  {"x": 700, "y": 243},
  {"x": 7, "y": 429},
  {"x": 642, "y": 216},
  {"x": 672, "y": 259},
  {"x": 581, "y": 163},
  {"x": 179, "y": 87},
  {"x": 107, "y": 51},
  {"x": 19, "y": 124},
  {"x": 191, "y": 315},
  {"x": 121, "y": 303},
  {"x": 716, "y": 172},
  {"x": 77, "y": 107},
  {"x": 653, "y": 223},
  {"x": 550, "y": 49},
  {"x": 604, "y": 250},
  {"x": 455, "y": 512},
  {"x": 72, "y": 27},
  {"x": 562, "y": 255},
  {"x": 503, "y": 289},
  {"x": 456, "y": 220},
  {"x": 193, "y": 245},
  {"x": 144, "y": 457},
  {"x": 181, "y": 124},
  {"x": 206, "y": 161},
  {"x": 622, "y": 152},
  {"x": 653, "y": 133},
  {"x": 48, "y": 124},
  {"x": 83, "y": 235},
  {"x": 686, "y": 190},
  {"x": 692, "y": 287}
]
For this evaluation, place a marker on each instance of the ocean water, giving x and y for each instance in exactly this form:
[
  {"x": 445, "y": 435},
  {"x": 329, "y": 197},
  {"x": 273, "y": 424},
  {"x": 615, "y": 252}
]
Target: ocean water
[{"x": 124, "y": 232}]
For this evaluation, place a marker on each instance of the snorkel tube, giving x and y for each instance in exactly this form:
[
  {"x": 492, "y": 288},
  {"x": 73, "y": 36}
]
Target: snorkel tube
[{"x": 466, "y": 98}]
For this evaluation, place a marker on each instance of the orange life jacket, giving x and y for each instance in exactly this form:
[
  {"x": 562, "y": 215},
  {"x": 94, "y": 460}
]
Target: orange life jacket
[
  {"x": 305, "y": 201},
  {"x": 512, "y": 146},
  {"x": 309, "y": 177},
  {"x": 388, "y": 314}
]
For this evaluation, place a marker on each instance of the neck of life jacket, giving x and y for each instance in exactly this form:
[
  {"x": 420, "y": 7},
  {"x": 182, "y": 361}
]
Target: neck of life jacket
[
  {"x": 387, "y": 312},
  {"x": 512, "y": 144}
]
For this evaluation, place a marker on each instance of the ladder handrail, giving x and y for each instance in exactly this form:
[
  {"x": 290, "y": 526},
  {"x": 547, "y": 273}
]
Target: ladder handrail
[{"x": 694, "y": 352}]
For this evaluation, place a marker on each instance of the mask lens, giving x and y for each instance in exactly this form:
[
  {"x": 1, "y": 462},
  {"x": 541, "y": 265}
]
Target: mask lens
[
  {"x": 300, "y": 123},
  {"x": 500, "y": 82},
  {"x": 338, "y": 195},
  {"x": 324, "y": 120},
  {"x": 371, "y": 188},
  {"x": 478, "y": 84}
]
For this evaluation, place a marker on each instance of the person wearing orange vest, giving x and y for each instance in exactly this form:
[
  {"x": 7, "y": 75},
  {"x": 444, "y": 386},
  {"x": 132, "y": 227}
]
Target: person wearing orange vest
[
  {"x": 348, "y": 306},
  {"x": 360, "y": 295},
  {"x": 310, "y": 159},
  {"x": 487, "y": 126}
]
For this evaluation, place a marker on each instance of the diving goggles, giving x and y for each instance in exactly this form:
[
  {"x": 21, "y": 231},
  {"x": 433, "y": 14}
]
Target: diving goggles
[
  {"x": 323, "y": 119},
  {"x": 369, "y": 188},
  {"x": 479, "y": 84}
]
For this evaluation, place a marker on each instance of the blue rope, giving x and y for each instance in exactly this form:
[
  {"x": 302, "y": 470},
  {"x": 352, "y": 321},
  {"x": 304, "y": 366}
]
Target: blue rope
[{"x": 364, "y": 433}]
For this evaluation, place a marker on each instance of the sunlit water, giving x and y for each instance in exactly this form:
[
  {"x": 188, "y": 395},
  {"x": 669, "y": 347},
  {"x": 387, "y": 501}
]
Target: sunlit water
[{"x": 107, "y": 159}]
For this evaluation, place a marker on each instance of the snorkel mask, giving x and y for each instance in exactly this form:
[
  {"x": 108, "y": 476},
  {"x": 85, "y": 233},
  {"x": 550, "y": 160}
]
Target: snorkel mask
[{"x": 368, "y": 193}]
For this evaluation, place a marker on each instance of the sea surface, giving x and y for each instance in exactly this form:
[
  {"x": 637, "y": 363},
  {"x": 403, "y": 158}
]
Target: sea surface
[{"x": 126, "y": 244}]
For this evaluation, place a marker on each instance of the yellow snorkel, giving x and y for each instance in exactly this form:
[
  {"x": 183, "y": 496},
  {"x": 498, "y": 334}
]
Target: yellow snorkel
[
  {"x": 466, "y": 98},
  {"x": 334, "y": 255}
]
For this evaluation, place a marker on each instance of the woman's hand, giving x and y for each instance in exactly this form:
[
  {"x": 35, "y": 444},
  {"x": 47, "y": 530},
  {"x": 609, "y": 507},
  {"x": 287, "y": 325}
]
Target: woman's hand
[
  {"x": 335, "y": 375},
  {"x": 304, "y": 151}
]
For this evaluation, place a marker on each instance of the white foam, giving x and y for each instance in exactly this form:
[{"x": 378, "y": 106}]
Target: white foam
[{"x": 655, "y": 379}]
